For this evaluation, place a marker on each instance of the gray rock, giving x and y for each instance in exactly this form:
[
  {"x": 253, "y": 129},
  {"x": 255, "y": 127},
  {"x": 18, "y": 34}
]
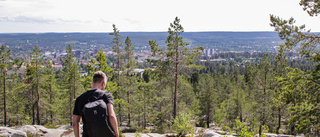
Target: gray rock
[
  {"x": 143, "y": 135},
  {"x": 38, "y": 130},
  {"x": 66, "y": 127},
  {"x": 127, "y": 129},
  {"x": 8, "y": 132},
  {"x": 28, "y": 129},
  {"x": 209, "y": 135},
  {"x": 64, "y": 133},
  {"x": 155, "y": 135},
  {"x": 134, "y": 135},
  {"x": 276, "y": 135},
  {"x": 34, "y": 129}
]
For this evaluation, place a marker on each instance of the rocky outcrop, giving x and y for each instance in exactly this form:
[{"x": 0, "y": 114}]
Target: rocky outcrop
[
  {"x": 8, "y": 132},
  {"x": 37, "y": 130},
  {"x": 67, "y": 131},
  {"x": 29, "y": 129}
]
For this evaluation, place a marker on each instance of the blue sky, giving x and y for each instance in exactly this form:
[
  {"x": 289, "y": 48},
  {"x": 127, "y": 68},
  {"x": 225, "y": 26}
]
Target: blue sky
[{"x": 33, "y": 16}]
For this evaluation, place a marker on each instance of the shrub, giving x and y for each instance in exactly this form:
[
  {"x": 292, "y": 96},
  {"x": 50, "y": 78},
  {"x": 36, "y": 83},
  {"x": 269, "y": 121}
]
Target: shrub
[
  {"x": 137, "y": 134},
  {"x": 182, "y": 124},
  {"x": 242, "y": 129}
]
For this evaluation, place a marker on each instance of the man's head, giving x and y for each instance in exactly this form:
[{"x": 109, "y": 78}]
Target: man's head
[{"x": 99, "y": 80}]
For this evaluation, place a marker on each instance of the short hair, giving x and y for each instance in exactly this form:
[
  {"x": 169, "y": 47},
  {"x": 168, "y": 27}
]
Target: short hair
[{"x": 99, "y": 77}]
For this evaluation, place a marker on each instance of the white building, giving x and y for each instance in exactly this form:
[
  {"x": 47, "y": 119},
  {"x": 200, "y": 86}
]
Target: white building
[{"x": 208, "y": 52}]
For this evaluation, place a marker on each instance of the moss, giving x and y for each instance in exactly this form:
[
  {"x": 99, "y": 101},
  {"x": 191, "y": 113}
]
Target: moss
[{"x": 51, "y": 126}]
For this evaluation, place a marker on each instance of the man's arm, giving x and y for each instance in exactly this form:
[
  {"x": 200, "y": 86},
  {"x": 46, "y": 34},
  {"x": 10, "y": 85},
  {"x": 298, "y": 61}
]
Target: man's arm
[
  {"x": 113, "y": 119},
  {"x": 76, "y": 125}
]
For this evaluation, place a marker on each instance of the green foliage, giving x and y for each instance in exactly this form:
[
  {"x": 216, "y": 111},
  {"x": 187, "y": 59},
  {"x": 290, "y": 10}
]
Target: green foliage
[
  {"x": 137, "y": 134},
  {"x": 182, "y": 124},
  {"x": 70, "y": 84},
  {"x": 4, "y": 63},
  {"x": 175, "y": 59},
  {"x": 117, "y": 48},
  {"x": 218, "y": 117},
  {"x": 51, "y": 126},
  {"x": 207, "y": 98},
  {"x": 120, "y": 134},
  {"x": 129, "y": 58},
  {"x": 30, "y": 135},
  {"x": 226, "y": 128},
  {"x": 300, "y": 90},
  {"x": 311, "y": 6},
  {"x": 36, "y": 75},
  {"x": 242, "y": 129}
]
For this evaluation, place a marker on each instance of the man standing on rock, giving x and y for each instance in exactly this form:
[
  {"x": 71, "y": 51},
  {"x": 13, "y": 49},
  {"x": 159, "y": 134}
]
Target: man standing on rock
[{"x": 95, "y": 107}]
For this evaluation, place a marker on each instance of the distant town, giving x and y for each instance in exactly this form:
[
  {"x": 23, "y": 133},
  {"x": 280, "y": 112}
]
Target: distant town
[{"x": 86, "y": 45}]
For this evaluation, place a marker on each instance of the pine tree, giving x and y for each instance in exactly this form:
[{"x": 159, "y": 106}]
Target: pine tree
[
  {"x": 207, "y": 97},
  {"x": 129, "y": 81},
  {"x": 14, "y": 101},
  {"x": 71, "y": 77},
  {"x": 176, "y": 56},
  {"x": 30, "y": 86},
  {"x": 263, "y": 94},
  {"x": 50, "y": 88},
  {"x": 301, "y": 89},
  {"x": 17, "y": 102},
  {"x": 102, "y": 64},
  {"x": 280, "y": 63},
  {"x": 117, "y": 49},
  {"x": 4, "y": 56},
  {"x": 144, "y": 94},
  {"x": 129, "y": 58},
  {"x": 36, "y": 62}
]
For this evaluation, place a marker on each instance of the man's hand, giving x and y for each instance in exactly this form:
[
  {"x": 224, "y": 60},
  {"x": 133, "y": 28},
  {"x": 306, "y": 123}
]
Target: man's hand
[{"x": 76, "y": 125}]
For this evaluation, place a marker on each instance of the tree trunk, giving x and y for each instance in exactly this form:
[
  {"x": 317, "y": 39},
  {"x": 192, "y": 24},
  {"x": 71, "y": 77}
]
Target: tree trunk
[
  {"x": 129, "y": 116},
  {"x": 74, "y": 86},
  {"x": 70, "y": 108},
  {"x": 260, "y": 130},
  {"x": 51, "y": 114},
  {"x": 292, "y": 128},
  {"x": 279, "y": 120},
  {"x": 4, "y": 100},
  {"x": 175, "y": 83},
  {"x": 144, "y": 110},
  {"x": 33, "y": 113},
  {"x": 38, "y": 104},
  {"x": 292, "y": 123},
  {"x": 38, "y": 95},
  {"x": 208, "y": 116},
  {"x": 139, "y": 121},
  {"x": 120, "y": 120},
  {"x": 161, "y": 104},
  {"x": 38, "y": 112},
  {"x": 240, "y": 114}
]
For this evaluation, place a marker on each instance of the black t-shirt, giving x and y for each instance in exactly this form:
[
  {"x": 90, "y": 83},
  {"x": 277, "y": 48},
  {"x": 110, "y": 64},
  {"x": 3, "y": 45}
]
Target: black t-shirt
[{"x": 83, "y": 99}]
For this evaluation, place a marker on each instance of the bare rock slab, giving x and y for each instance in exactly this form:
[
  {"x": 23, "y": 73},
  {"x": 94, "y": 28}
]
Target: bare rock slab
[{"x": 8, "y": 132}]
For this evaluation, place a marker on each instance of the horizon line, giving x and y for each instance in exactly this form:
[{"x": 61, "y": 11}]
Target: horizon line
[{"x": 127, "y": 32}]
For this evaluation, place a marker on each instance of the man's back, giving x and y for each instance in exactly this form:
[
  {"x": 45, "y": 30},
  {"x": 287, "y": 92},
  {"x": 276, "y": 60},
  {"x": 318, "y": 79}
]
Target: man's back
[
  {"x": 92, "y": 107},
  {"x": 90, "y": 111}
]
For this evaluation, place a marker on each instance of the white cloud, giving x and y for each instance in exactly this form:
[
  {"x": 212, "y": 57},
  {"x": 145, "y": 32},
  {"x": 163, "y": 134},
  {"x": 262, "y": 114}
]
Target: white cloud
[
  {"x": 105, "y": 21},
  {"x": 40, "y": 20},
  {"x": 146, "y": 15},
  {"x": 25, "y": 19}
]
